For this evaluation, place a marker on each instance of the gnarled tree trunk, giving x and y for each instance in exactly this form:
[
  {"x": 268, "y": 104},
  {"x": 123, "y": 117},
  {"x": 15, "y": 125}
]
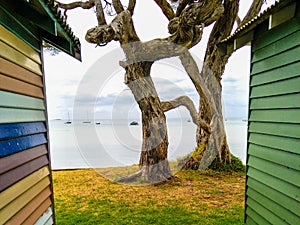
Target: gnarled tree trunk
[{"x": 154, "y": 154}]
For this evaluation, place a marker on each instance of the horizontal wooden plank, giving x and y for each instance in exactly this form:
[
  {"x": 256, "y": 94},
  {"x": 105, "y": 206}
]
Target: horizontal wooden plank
[
  {"x": 15, "y": 145},
  {"x": 277, "y": 88},
  {"x": 266, "y": 213},
  {"x": 282, "y": 172},
  {"x": 46, "y": 218},
  {"x": 11, "y": 209},
  {"x": 278, "y": 129},
  {"x": 13, "y": 176},
  {"x": 286, "y": 216},
  {"x": 276, "y": 102},
  {"x": 276, "y": 74},
  {"x": 13, "y": 100},
  {"x": 287, "y": 159},
  {"x": 13, "y": 70},
  {"x": 275, "y": 115},
  {"x": 25, "y": 30},
  {"x": 288, "y": 42},
  {"x": 259, "y": 219},
  {"x": 40, "y": 215},
  {"x": 8, "y": 195},
  {"x": 18, "y": 44},
  {"x": 12, "y": 130},
  {"x": 12, "y": 161},
  {"x": 18, "y": 58},
  {"x": 280, "y": 198},
  {"x": 276, "y": 142},
  {"x": 12, "y": 115},
  {"x": 23, "y": 214},
  {"x": 249, "y": 220},
  {"x": 278, "y": 60},
  {"x": 20, "y": 87},
  {"x": 275, "y": 34}
]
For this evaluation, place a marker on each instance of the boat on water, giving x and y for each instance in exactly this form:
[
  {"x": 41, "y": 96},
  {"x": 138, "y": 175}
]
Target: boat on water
[
  {"x": 134, "y": 123},
  {"x": 98, "y": 123},
  {"x": 68, "y": 121}
]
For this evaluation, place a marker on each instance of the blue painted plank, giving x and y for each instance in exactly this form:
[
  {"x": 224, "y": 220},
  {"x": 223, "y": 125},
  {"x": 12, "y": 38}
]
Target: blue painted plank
[
  {"x": 8, "y": 131},
  {"x": 19, "y": 144}
]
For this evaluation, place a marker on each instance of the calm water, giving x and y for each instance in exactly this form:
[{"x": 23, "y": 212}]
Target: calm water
[{"x": 83, "y": 145}]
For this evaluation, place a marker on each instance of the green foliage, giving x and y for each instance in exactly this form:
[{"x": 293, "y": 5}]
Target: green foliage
[{"x": 236, "y": 165}]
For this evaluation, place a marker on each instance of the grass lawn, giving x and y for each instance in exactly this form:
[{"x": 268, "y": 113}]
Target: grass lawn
[{"x": 194, "y": 197}]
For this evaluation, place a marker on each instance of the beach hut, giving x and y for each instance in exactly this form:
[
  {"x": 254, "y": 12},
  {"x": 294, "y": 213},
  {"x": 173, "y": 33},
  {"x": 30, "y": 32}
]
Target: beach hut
[
  {"x": 273, "y": 153},
  {"x": 26, "y": 195}
]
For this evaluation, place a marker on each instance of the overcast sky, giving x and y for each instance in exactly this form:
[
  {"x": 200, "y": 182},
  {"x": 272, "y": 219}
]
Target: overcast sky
[{"x": 105, "y": 93}]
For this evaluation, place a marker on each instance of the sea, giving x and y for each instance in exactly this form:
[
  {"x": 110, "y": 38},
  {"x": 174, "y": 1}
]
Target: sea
[{"x": 107, "y": 143}]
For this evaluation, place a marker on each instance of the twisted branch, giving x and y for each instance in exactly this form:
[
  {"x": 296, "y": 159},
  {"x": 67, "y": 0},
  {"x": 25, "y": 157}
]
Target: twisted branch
[
  {"x": 188, "y": 103},
  {"x": 166, "y": 8},
  {"x": 118, "y": 6}
]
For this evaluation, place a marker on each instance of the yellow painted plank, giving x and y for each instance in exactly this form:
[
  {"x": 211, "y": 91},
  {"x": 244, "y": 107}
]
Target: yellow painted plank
[
  {"x": 30, "y": 208},
  {"x": 17, "y": 57},
  {"x": 23, "y": 185},
  {"x": 12, "y": 40},
  {"x": 16, "y": 205}
]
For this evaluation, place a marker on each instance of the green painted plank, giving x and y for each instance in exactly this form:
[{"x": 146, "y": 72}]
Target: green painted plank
[
  {"x": 277, "y": 142},
  {"x": 281, "y": 73},
  {"x": 280, "y": 198},
  {"x": 276, "y": 34},
  {"x": 277, "y": 47},
  {"x": 258, "y": 219},
  {"x": 282, "y": 172},
  {"x": 278, "y": 129},
  {"x": 276, "y": 61},
  {"x": 12, "y": 115},
  {"x": 287, "y": 86},
  {"x": 262, "y": 216},
  {"x": 275, "y": 115},
  {"x": 276, "y": 102},
  {"x": 287, "y": 159},
  {"x": 250, "y": 221},
  {"x": 276, "y": 213},
  {"x": 279, "y": 185},
  {"x": 12, "y": 100}
]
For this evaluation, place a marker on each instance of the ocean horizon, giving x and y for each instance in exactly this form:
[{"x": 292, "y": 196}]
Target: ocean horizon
[{"x": 108, "y": 143}]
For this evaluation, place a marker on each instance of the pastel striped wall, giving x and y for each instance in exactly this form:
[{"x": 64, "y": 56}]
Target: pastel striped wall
[{"x": 25, "y": 175}]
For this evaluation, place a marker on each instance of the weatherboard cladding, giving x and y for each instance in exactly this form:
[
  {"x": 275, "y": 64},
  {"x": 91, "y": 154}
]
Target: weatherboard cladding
[
  {"x": 25, "y": 180},
  {"x": 273, "y": 164}
]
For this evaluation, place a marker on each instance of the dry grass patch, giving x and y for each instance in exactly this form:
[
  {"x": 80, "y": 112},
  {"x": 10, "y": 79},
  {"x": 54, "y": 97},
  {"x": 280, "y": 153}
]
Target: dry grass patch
[{"x": 193, "y": 197}]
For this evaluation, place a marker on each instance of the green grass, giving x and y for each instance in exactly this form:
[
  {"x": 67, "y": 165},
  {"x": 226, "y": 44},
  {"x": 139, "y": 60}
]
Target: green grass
[{"x": 194, "y": 197}]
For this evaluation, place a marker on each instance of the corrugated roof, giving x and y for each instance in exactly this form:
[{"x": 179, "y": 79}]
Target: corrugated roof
[
  {"x": 259, "y": 18},
  {"x": 62, "y": 21}
]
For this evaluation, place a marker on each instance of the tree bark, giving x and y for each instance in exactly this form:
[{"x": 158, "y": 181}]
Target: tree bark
[{"x": 154, "y": 154}]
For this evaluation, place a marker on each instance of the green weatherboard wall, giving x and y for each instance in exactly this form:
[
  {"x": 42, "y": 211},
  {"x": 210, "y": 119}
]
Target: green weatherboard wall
[{"x": 273, "y": 164}]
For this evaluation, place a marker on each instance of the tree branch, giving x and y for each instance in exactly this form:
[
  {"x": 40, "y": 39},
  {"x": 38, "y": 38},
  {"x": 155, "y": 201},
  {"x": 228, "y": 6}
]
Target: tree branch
[
  {"x": 131, "y": 6},
  {"x": 100, "y": 13},
  {"x": 222, "y": 29},
  {"x": 166, "y": 8},
  {"x": 252, "y": 12},
  {"x": 188, "y": 103},
  {"x": 118, "y": 6},
  {"x": 85, "y": 5},
  {"x": 181, "y": 6}
]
